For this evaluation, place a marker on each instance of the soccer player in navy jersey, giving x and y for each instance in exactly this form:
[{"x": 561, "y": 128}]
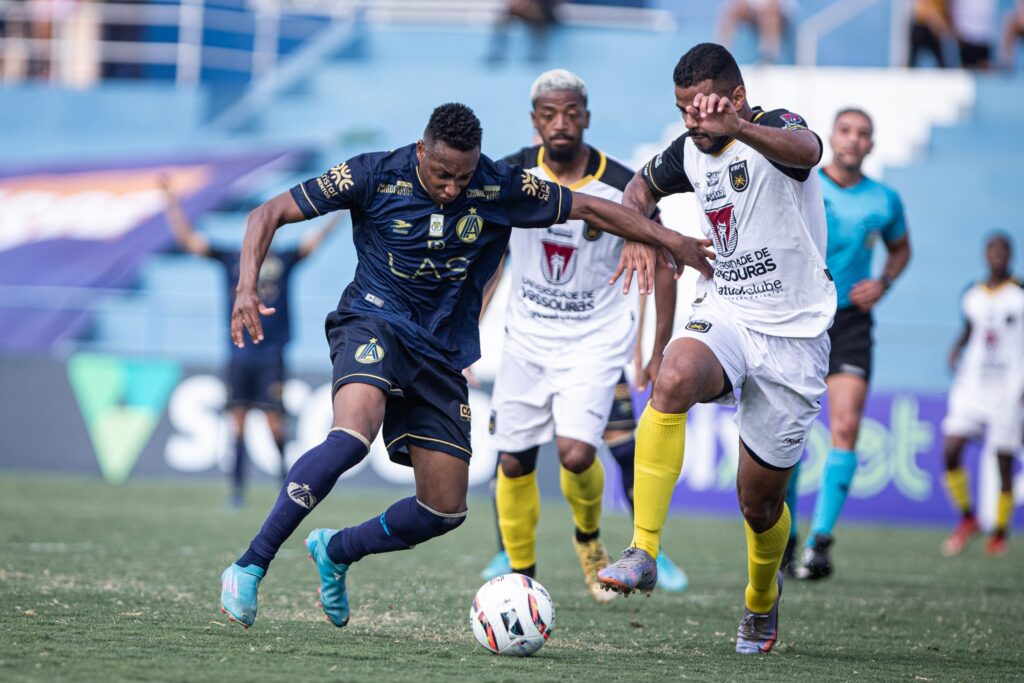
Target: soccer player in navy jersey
[
  {"x": 255, "y": 374},
  {"x": 430, "y": 224}
]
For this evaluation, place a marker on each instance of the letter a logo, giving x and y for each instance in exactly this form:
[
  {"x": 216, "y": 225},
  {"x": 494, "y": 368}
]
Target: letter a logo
[{"x": 370, "y": 352}]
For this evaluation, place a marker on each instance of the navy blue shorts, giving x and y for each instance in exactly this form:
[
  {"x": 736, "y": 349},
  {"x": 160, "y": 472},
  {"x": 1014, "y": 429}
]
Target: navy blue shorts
[
  {"x": 428, "y": 401},
  {"x": 622, "y": 417},
  {"x": 256, "y": 381}
]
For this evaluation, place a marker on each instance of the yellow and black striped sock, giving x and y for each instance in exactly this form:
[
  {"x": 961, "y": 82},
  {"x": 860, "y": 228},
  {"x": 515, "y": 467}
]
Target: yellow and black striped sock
[
  {"x": 958, "y": 490},
  {"x": 1004, "y": 511}
]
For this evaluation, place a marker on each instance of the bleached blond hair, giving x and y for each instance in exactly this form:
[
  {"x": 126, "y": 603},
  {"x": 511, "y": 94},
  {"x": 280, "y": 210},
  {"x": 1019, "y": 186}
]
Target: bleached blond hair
[{"x": 557, "y": 80}]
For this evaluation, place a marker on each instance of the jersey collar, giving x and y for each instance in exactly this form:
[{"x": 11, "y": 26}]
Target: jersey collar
[{"x": 596, "y": 165}]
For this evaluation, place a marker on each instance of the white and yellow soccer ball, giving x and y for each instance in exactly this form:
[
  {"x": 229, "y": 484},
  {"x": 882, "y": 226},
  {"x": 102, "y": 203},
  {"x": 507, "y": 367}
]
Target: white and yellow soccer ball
[{"x": 512, "y": 615}]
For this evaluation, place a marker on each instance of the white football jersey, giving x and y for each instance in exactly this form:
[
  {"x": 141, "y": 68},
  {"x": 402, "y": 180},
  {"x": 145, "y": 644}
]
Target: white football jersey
[
  {"x": 991, "y": 366},
  {"x": 561, "y": 309},
  {"x": 767, "y": 223}
]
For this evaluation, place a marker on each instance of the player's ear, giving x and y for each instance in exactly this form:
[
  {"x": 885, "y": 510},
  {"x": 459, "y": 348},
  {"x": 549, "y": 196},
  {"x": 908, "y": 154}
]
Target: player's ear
[
  {"x": 533, "y": 119},
  {"x": 739, "y": 96},
  {"x": 419, "y": 151},
  {"x": 586, "y": 119}
]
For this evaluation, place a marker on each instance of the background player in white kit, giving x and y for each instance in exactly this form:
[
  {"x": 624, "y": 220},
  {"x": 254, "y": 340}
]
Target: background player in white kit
[
  {"x": 567, "y": 337},
  {"x": 988, "y": 391},
  {"x": 758, "y": 326}
]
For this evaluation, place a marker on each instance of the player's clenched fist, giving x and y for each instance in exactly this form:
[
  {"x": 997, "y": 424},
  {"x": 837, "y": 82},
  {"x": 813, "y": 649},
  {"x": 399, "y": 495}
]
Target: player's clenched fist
[{"x": 715, "y": 114}]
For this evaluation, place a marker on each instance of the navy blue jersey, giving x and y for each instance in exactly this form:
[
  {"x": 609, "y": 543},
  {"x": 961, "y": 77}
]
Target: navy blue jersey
[
  {"x": 423, "y": 266},
  {"x": 273, "y": 290}
]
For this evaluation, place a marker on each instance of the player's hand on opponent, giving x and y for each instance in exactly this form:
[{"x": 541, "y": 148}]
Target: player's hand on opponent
[
  {"x": 716, "y": 114},
  {"x": 688, "y": 251},
  {"x": 866, "y": 293},
  {"x": 246, "y": 313},
  {"x": 639, "y": 258}
]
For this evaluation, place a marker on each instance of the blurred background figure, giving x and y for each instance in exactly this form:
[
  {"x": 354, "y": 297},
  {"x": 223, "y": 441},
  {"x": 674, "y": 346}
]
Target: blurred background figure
[
  {"x": 974, "y": 27},
  {"x": 769, "y": 18},
  {"x": 538, "y": 15},
  {"x": 929, "y": 27},
  {"x": 987, "y": 398},
  {"x": 1013, "y": 32},
  {"x": 256, "y": 373}
]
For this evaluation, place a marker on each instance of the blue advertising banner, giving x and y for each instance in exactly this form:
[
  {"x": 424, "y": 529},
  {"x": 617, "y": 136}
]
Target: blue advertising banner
[{"x": 64, "y": 228}]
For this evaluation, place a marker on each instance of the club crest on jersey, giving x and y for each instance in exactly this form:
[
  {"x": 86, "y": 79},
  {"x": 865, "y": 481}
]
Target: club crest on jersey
[
  {"x": 698, "y": 325},
  {"x": 559, "y": 262},
  {"x": 590, "y": 233},
  {"x": 738, "y": 176},
  {"x": 370, "y": 352},
  {"x": 469, "y": 227},
  {"x": 793, "y": 121},
  {"x": 723, "y": 229}
]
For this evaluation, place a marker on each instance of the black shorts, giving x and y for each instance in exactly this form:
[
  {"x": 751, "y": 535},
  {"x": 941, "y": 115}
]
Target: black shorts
[
  {"x": 256, "y": 381},
  {"x": 851, "y": 343},
  {"x": 621, "y": 417},
  {"x": 974, "y": 55},
  {"x": 428, "y": 400}
]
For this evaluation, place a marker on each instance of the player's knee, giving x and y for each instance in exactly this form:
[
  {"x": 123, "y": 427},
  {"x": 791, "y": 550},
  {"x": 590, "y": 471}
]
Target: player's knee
[
  {"x": 519, "y": 464},
  {"x": 673, "y": 388},
  {"x": 576, "y": 457},
  {"x": 761, "y": 513},
  {"x": 844, "y": 430}
]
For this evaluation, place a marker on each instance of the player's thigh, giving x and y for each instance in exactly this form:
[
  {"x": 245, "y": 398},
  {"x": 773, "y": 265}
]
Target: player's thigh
[
  {"x": 360, "y": 408},
  {"x": 441, "y": 479},
  {"x": 583, "y": 400},
  {"x": 781, "y": 396},
  {"x": 521, "y": 415},
  {"x": 702, "y": 363},
  {"x": 965, "y": 419},
  {"x": 1005, "y": 427}
]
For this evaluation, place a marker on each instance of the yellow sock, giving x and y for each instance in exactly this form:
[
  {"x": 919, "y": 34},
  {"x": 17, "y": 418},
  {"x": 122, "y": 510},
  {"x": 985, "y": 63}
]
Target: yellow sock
[
  {"x": 585, "y": 492},
  {"x": 956, "y": 486},
  {"x": 518, "y": 501},
  {"x": 660, "y": 439},
  {"x": 1004, "y": 511},
  {"x": 764, "y": 555}
]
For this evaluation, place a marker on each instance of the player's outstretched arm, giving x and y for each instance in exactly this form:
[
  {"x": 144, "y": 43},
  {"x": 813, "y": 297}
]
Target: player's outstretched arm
[
  {"x": 797, "y": 148},
  {"x": 263, "y": 221},
  {"x": 187, "y": 237},
  {"x": 626, "y": 222}
]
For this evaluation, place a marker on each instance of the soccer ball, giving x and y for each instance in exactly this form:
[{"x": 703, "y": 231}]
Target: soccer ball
[{"x": 512, "y": 615}]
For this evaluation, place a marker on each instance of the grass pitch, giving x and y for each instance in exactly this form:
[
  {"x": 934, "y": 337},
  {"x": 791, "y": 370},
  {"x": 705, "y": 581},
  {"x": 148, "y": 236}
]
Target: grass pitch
[{"x": 121, "y": 583}]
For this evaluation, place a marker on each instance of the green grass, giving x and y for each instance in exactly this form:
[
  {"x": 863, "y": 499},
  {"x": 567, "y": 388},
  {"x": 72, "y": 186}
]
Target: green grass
[{"x": 121, "y": 583}]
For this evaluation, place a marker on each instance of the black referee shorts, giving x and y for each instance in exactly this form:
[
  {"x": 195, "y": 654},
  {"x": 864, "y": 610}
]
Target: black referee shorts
[{"x": 851, "y": 343}]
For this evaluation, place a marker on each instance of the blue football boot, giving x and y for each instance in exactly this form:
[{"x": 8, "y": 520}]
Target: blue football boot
[
  {"x": 634, "y": 571},
  {"x": 758, "y": 633},
  {"x": 333, "y": 596},
  {"x": 238, "y": 588},
  {"x": 498, "y": 566},
  {"x": 671, "y": 576}
]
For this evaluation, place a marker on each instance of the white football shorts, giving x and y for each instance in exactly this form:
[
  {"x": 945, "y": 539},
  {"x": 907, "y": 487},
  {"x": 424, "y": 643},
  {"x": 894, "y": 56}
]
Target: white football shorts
[
  {"x": 780, "y": 381},
  {"x": 970, "y": 415},
  {"x": 532, "y": 404}
]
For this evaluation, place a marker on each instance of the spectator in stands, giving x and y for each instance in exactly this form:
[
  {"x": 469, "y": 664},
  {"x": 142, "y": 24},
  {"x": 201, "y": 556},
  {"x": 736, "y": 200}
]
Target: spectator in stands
[
  {"x": 256, "y": 373},
  {"x": 1013, "y": 31},
  {"x": 14, "y": 58},
  {"x": 539, "y": 16},
  {"x": 974, "y": 27},
  {"x": 768, "y": 17},
  {"x": 929, "y": 26}
]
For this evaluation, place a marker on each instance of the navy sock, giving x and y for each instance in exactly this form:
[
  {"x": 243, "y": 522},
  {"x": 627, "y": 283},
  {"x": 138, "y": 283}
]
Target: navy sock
[
  {"x": 400, "y": 527},
  {"x": 310, "y": 479},
  {"x": 238, "y": 473},
  {"x": 623, "y": 454}
]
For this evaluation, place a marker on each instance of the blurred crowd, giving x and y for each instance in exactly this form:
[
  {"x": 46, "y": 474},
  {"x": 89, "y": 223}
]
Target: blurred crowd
[{"x": 970, "y": 29}]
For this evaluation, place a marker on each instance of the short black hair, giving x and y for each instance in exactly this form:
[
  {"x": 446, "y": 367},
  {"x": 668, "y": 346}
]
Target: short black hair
[
  {"x": 999, "y": 235},
  {"x": 455, "y": 125},
  {"x": 859, "y": 112},
  {"x": 708, "y": 61}
]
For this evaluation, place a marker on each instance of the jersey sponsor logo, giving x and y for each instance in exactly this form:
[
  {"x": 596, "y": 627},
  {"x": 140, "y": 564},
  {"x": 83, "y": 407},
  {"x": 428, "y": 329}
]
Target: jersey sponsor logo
[
  {"x": 465, "y": 413},
  {"x": 492, "y": 424},
  {"x": 436, "y": 225},
  {"x": 301, "y": 495},
  {"x": 793, "y": 121},
  {"x": 738, "y": 176},
  {"x": 401, "y": 227},
  {"x": 558, "y": 262},
  {"x": 435, "y": 245},
  {"x": 489, "y": 193},
  {"x": 698, "y": 325},
  {"x": 714, "y": 195},
  {"x": 453, "y": 269},
  {"x": 748, "y": 266},
  {"x": 793, "y": 441},
  {"x": 375, "y": 300},
  {"x": 590, "y": 233},
  {"x": 535, "y": 187},
  {"x": 401, "y": 187},
  {"x": 341, "y": 176},
  {"x": 713, "y": 177},
  {"x": 723, "y": 229},
  {"x": 370, "y": 352},
  {"x": 469, "y": 227}
]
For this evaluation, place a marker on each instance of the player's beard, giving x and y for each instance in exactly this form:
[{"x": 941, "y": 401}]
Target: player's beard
[
  {"x": 717, "y": 144},
  {"x": 561, "y": 154}
]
